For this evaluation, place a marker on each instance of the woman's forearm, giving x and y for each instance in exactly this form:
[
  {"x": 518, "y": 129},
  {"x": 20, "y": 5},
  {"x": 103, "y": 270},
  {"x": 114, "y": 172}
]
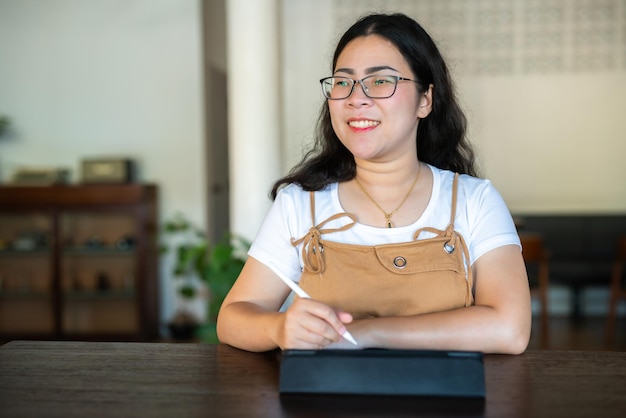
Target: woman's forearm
[
  {"x": 247, "y": 326},
  {"x": 475, "y": 328}
]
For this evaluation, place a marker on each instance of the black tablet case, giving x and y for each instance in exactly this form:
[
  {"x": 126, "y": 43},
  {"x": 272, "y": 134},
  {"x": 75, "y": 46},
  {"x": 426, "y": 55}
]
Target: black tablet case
[{"x": 383, "y": 372}]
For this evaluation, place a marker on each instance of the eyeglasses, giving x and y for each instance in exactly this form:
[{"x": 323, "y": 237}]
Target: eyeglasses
[{"x": 374, "y": 86}]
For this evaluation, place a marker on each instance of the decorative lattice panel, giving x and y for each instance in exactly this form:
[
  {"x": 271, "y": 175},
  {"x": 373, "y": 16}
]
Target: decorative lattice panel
[{"x": 490, "y": 37}]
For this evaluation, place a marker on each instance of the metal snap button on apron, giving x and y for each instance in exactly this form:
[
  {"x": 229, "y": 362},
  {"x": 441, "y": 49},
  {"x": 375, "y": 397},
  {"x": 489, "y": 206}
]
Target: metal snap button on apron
[
  {"x": 399, "y": 262},
  {"x": 321, "y": 247},
  {"x": 448, "y": 247}
]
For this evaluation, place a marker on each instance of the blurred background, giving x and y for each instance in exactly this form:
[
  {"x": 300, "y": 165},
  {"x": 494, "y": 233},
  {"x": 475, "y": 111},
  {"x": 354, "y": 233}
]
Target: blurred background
[{"x": 212, "y": 100}]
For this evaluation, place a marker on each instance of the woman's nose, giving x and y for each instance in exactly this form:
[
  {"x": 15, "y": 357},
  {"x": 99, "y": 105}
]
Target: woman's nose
[{"x": 359, "y": 96}]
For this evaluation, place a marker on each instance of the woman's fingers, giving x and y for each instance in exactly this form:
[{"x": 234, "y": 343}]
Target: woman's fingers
[
  {"x": 312, "y": 324},
  {"x": 344, "y": 317}
]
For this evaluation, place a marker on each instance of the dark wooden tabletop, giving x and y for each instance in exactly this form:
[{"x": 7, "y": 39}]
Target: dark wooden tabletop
[{"x": 92, "y": 379}]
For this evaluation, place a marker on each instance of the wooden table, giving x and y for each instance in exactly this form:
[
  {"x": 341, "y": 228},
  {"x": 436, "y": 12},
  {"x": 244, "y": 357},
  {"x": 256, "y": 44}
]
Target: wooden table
[{"x": 40, "y": 379}]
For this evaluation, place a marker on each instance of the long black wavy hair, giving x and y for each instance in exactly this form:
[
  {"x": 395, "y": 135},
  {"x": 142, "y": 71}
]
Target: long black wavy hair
[{"x": 441, "y": 137}]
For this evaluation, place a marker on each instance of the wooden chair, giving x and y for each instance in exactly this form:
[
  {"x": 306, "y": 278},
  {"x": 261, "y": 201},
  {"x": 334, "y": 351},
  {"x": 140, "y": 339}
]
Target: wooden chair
[
  {"x": 536, "y": 258},
  {"x": 617, "y": 291}
]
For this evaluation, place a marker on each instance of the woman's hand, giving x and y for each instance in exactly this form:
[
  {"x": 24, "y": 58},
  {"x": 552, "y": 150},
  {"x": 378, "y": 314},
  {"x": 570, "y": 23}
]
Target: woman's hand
[
  {"x": 309, "y": 324},
  {"x": 250, "y": 316}
]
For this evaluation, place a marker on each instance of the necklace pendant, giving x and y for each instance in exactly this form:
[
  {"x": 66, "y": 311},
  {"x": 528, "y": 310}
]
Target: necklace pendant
[{"x": 390, "y": 214}]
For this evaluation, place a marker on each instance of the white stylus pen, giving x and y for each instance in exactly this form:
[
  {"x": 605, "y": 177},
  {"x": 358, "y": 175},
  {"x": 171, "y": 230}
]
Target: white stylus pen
[{"x": 300, "y": 292}]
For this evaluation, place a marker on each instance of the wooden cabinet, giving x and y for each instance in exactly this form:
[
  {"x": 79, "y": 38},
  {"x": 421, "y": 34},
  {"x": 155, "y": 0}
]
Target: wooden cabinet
[{"x": 79, "y": 262}]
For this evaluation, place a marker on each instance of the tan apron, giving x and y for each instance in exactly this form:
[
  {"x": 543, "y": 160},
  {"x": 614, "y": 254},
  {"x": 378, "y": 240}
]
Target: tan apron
[{"x": 410, "y": 278}]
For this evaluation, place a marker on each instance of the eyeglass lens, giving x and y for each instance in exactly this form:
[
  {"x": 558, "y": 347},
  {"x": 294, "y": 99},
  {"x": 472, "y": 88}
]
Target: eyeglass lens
[{"x": 375, "y": 86}]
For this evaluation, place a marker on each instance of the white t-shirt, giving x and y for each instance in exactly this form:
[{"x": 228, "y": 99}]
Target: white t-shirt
[{"x": 482, "y": 218}]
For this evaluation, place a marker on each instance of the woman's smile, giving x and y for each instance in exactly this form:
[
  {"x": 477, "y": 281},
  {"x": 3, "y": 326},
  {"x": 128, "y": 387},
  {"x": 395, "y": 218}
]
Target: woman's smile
[{"x": 360, "y": 125}]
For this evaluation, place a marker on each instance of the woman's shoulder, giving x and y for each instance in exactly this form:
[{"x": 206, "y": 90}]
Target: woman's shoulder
[
  {"x": 473, "y": 193},
  {"x": 295, "y": 191},
  {"x": 294, "y": 195},
  {"x": 470, "y": 184}
]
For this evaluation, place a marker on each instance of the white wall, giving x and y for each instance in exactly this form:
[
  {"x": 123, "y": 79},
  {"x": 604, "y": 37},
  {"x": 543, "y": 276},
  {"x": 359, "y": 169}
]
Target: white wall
[
  {"x": 553, "y": 143},
  {"x": 99, "y": 78},
  {"x": 307, "y": 47},
  {"x": 552, "y": 140}
]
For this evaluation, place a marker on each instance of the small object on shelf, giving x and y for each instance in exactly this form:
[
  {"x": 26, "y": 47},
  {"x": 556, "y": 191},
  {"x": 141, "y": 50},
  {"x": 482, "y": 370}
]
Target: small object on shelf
[
  {"x": 125, "y": 243},
  {"x": 103, "y": 282},
  {"x": 129, "y": 282},
  {"x": 40, "y": 176},
  {"x": 24, "y": 284},
  {"x": 30, "y": 241},
  {"x": 183, "y": 326},
  {"x": 94, "y": 242},
  {"x": 108, "y": 170},
  {"x": 76, "y": 284}
]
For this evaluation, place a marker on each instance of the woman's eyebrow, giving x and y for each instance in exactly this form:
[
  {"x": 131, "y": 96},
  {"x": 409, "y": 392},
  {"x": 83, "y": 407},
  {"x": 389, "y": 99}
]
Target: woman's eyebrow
[{"x": 369, "y": 70}]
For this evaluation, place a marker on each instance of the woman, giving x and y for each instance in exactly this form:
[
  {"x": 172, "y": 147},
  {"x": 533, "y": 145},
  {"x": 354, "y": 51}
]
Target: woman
[{"x": 390, "y": 244}]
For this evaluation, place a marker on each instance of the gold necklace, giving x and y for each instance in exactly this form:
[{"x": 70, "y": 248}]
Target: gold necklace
[{"x": 393, "y": 212}]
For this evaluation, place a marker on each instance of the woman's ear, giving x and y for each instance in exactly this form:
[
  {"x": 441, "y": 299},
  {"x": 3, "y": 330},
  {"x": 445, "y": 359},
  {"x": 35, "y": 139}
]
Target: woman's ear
[{"x": 426, "y": 103}]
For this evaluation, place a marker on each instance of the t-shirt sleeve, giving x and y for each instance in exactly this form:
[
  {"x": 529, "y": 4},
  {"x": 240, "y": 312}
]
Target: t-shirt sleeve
[
  {"x": 272, "y": 245},
  {"x": 490, "y": 221}
]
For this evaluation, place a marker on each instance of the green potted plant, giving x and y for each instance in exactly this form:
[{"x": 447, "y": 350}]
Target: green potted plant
[
  {"x": 4, "y": 124},
  {"x": 197, "y": 262}
]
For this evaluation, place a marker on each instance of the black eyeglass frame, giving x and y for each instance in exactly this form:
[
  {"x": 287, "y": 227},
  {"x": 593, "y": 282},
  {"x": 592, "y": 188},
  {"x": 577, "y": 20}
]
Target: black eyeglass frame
[{"x": 365, "y": 89}]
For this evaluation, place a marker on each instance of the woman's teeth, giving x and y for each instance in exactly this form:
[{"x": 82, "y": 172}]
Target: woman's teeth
[{"x": 361, "y": 124}]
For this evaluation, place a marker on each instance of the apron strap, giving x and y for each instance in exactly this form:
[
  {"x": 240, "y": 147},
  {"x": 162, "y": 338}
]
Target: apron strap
[
  {"x": 312, "y": 249},
  {"x": 450, "y": 228},
  {"x": 451, "y": 233},
  {"x": 455, "y": 186}
]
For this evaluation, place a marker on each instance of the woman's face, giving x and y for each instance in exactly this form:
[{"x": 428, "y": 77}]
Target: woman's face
[{"x": 377, "y": 129}]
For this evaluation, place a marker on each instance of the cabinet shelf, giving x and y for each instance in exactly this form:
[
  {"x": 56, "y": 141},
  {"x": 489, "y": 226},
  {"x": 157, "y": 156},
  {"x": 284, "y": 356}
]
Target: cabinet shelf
[
  {"x": 25, "y": 253},
  {"x": 24, "y": 295},
  {"x": 97, "y": 273},
  {"x": 98, "y": 295},
  {"x": 104, "y": 251}
]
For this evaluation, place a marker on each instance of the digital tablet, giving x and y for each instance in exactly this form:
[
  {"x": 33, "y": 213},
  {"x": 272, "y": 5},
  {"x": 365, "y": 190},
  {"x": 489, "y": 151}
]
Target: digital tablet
[{"x": 383, "y": 372}]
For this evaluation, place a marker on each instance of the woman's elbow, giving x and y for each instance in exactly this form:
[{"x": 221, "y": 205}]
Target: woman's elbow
[
  {"x": 221, "y": 327},
  {"x": 517, "y": 346},
  {"x": 515, "y": 340}
]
